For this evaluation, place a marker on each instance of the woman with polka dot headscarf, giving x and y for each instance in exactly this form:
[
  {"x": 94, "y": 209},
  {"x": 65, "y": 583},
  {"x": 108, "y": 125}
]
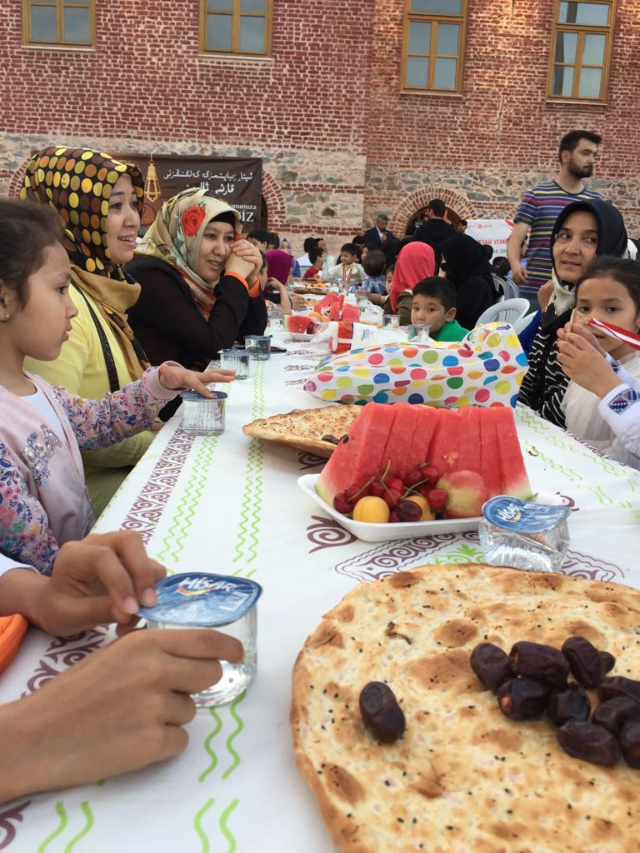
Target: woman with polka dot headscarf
[{"x": 99, "y": 201}]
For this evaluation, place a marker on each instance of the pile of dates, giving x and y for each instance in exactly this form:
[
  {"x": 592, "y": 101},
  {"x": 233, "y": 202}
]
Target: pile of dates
[{"x": 534, "y": 678}]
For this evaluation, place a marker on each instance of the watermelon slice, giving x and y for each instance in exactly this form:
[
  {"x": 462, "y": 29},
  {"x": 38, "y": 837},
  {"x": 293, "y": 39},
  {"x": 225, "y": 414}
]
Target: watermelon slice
[
  {"x": 445, "y": 447},
  {"x": 469, "y": 458},
  {"x": 490, "y": 450},
  {"x": 410, "y": 422},
  {"x": 296, "y": 323},
  {"x": 357, "y": 459},
  {"x": 513, "y": 474},
  {"x": 334, "y": 312},
  {"x": 426, "y": 429}
]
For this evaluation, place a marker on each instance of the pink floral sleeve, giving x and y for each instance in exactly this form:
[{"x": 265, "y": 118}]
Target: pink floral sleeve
[{"x": 101, "y": 423}]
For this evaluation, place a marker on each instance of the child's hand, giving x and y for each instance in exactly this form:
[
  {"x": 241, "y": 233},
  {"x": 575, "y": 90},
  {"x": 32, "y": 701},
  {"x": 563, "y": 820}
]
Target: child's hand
[
  {"x": 584, "y": 332},
  {"x": 177, "y": 378},
  {"x": 583, "y": 363},
  {"x": 273, "y": 282},
  {"x": 104, "y": 578},
  {"x": 297, "y": 302}
]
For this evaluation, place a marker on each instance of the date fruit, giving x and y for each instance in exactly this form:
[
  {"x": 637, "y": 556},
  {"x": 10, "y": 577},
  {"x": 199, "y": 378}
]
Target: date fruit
[
  {"x": 381, "y": 712},
  {"x": 585, "y": 662},
  {"x": 630, "y": 744},
  {"x": 608, "y": 661},
  {"x": 522, "y": 698},
  {"x": 615, "y": 713},
  {"x": 491, "y": 664},
  {"x": 540, "y": 662},
  {"x": 571, "y": 704},
  {"x": 618, "y": 685},
  {"x": 589, "y": 742}
]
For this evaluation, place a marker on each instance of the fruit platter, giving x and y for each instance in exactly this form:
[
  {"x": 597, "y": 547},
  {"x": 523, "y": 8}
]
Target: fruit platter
[
  {"x": 303, "y": 327},
  {"x": 404, "y": 471}
]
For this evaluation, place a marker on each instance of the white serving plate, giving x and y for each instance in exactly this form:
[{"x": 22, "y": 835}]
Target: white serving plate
[
  {"x": 368, "y": 532},
  {"x": 301, "y": 336}
]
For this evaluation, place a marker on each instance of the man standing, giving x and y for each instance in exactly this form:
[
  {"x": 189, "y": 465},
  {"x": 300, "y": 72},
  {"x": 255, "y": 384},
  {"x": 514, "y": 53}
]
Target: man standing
[
  {"x": 435, "y": 230},
  {"x": 376, "y": 237},
  {"x": 540, "y": 206}
]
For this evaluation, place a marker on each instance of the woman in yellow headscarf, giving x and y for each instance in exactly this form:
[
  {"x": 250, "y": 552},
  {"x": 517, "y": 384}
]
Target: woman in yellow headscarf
[
  {"x": 199, "y": 283},
  {"x": 100, "y": 201}
]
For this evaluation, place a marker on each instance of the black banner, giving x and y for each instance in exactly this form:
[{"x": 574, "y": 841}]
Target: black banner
[{"x": 238, "y": 181}]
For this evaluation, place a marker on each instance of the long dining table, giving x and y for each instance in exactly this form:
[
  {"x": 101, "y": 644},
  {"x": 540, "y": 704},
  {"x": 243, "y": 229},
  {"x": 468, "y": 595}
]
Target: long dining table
[{"x": 231, "y": 505}]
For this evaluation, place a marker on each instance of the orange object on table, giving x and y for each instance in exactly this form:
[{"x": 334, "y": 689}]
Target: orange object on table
[{"x": 12, "y": 630}]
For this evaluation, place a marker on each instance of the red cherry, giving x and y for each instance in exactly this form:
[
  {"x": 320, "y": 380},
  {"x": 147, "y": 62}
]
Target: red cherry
[
  {"x": 341, "y": 504},
  {"x": 393, "y": 517},
  {"x": 413, "y": 478},
  {"x": 409, "y": 511},
  {"x": 351, "y": 491},
  {"x": 437, "y": 499},
  {"x": 377, "y": 489},
  {"x": 393, "y": 497},
  {"x": 396, "y": 483},
  {"x": 424, "y": 489},
  {"x": 429, "y": 473}
]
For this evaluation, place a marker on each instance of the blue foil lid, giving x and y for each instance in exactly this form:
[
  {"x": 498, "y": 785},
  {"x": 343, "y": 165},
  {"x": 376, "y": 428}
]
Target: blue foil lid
[
  {"x": 193, "y": 395},
  {"x": 523, "y": 516},
  {"x": 198, "y": 598}
]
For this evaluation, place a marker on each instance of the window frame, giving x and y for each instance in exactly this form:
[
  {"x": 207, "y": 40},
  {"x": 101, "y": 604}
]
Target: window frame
[
  {"x": 437, "y": 19},
  {"x": 581, "y": 30},
  {"x": 59, "y": 5},
  {"x": 236, "y": 14}
]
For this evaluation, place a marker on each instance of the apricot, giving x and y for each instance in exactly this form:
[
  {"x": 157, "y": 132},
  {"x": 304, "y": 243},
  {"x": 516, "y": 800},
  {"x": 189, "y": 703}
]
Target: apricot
[
  {"x": 427, "y": 513},
  {"x": 372, "y": 510}
]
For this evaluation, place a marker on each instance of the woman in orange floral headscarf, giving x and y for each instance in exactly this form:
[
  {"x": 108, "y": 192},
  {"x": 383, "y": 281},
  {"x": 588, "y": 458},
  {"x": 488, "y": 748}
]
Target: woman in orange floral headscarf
[
  {"x": 199, "y": 283},
  {"x": 99, "y": 200}
]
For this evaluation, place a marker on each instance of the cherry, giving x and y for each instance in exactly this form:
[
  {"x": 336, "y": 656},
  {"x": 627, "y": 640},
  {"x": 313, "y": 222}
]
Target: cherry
[
  {"x": 409, "y": 511},
  {"x": 377, "y": 489},
  {"x": 413, "y": 478},
  {"x": 341, "y": 504},
  {"x": 437, "y": 499},
  {"x": 393, "y": 516},
  {"x": 351, "y": 491},
  {"x": 429, "y": 473},
  {"x": 424, "y": 489},
  {"x": 396, "y": 483},
  {"x": 393, "y": 497}
]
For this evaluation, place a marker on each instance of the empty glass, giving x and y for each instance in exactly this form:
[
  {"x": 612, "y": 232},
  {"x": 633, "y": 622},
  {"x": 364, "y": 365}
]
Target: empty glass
[
  {"x": 390, "y": 321},
  {"x": 418, "y": 332}
]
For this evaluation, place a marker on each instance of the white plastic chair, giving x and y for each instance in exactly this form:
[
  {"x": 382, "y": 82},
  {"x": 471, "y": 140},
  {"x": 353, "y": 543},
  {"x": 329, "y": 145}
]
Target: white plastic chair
[
  {"x": 509, "y": 311},
  {"x": 521, "y": 325}
]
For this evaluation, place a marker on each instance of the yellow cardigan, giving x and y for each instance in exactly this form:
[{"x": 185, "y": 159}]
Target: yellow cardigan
[{"x": 82, "y": 370}]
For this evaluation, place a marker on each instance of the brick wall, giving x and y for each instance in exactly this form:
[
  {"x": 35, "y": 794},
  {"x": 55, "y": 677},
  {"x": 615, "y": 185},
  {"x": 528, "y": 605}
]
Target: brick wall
[{"x": 325, "y": 112}]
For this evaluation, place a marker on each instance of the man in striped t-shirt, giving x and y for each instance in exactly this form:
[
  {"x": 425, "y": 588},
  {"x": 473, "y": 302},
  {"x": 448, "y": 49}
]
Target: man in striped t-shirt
[{"x": 540, "y": 206}]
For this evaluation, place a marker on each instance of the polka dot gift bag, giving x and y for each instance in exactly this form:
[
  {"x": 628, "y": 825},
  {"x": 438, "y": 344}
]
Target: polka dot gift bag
[{"x": 486, "y": 368}]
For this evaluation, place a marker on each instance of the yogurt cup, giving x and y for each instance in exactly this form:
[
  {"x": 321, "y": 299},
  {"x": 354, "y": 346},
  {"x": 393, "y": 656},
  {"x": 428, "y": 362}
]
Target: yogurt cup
[{"x": 223, "y": 602}]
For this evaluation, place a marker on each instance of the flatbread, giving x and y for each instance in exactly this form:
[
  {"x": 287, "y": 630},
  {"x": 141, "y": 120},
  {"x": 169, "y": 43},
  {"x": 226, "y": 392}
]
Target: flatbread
[
  {"x": 463, "y": 779},
  {"x": 304, "y": 429}
]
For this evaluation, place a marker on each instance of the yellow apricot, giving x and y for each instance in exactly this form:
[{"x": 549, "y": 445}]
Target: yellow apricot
[
  {"x": 371, "y": 509},
  {"x": 427, "y": 513}
]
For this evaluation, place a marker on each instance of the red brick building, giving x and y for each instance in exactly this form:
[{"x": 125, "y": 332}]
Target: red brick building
[{"x": 354, "y": 106}]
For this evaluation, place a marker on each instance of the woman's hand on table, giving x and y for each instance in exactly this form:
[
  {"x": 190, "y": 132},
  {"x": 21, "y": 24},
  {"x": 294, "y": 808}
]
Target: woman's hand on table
[
  {"x": 119, "y": 709},
  {"x": 245, "y": 260},
  {"x": 582, "y": 363},
  {"x": 177, "y": 378}
]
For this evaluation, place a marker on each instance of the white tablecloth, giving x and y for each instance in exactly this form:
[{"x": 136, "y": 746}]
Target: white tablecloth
[{"x": 231, "y": 505}]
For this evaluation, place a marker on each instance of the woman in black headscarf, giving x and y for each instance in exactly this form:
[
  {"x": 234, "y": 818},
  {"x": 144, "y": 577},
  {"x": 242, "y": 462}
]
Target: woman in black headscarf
[
  {"x": 583, "y": 230},
  {"x": 465, "y": 263}
]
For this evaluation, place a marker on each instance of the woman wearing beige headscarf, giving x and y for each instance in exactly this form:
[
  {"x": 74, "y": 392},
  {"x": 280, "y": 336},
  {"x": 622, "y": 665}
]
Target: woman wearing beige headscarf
[
  {"x": 199, "y": 282},
  {"x": 99, "y": 200}
]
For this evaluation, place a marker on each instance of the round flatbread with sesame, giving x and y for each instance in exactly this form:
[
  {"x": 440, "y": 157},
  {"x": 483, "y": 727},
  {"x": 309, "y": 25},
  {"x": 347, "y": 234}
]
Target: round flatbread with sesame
[
  {"x": 463, "y": 778},
  {"x": 309, "y": 430}
]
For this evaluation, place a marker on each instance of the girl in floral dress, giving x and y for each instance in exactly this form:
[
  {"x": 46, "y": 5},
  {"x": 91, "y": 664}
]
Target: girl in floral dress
[{"x": 43, "y": 499}]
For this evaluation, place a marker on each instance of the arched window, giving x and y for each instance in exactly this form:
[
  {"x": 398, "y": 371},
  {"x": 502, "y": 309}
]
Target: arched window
[
  {"x": 581, "y": 49},
  {"x": 433, "y": 50}
]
